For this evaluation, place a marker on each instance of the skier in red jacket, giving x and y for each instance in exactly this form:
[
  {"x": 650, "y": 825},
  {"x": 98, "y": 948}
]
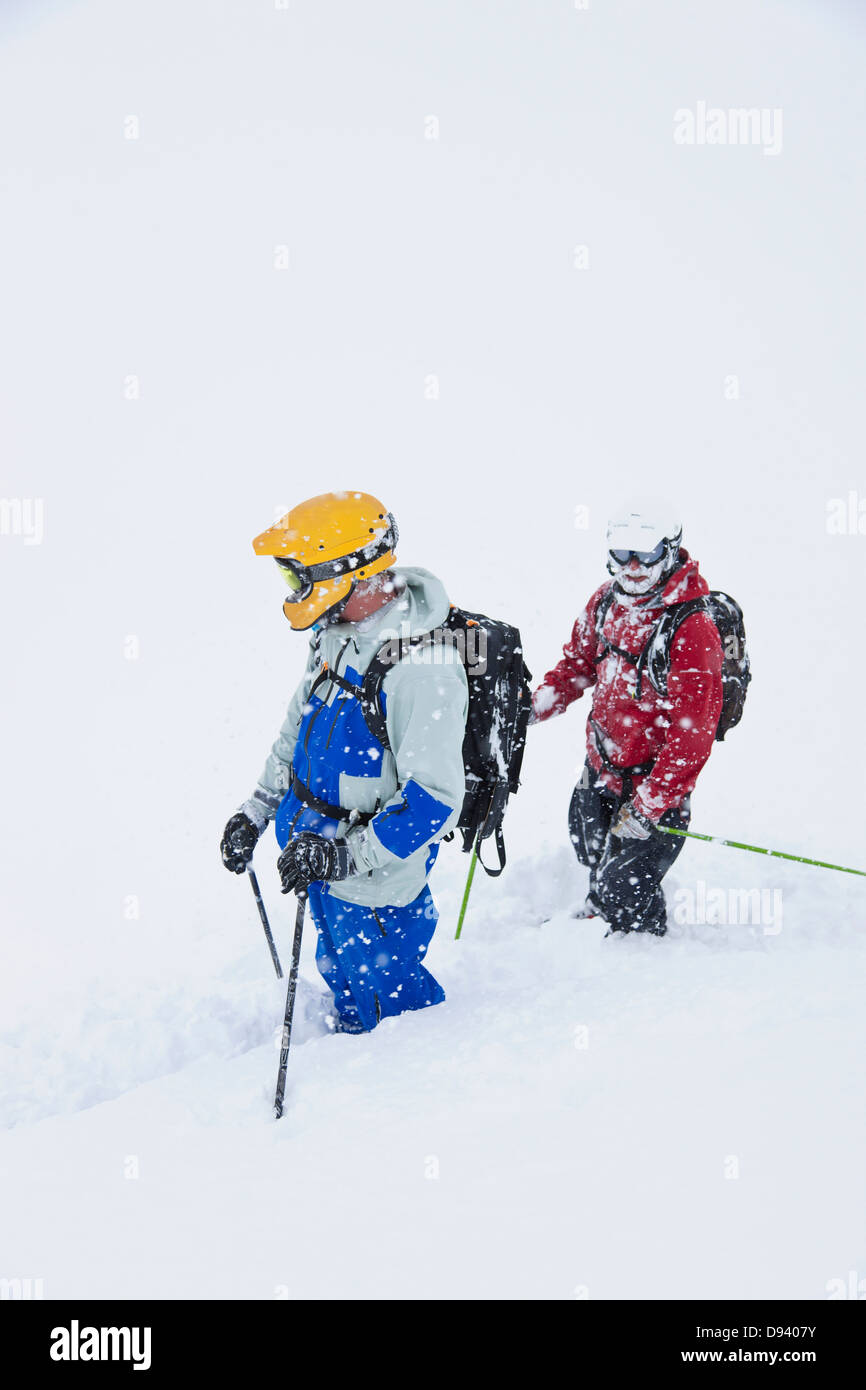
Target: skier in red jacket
[{"x": 644, "y": 752}]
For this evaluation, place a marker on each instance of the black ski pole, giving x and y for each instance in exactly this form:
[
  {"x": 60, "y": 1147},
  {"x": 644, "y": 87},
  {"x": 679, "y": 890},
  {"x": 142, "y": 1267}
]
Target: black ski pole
[
  {"x": 265, "y": 923},
  {"x": 290, "y": 1004}
]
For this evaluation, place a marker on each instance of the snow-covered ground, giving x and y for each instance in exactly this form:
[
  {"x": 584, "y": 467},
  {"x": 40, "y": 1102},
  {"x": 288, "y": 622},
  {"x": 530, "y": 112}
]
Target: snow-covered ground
[
  {"x": 611, "y": 1118},
  {"x": 623, "y": 1117}
]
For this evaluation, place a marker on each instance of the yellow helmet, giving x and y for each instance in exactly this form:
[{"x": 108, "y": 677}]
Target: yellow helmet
[{"x": 323, "y": 546}]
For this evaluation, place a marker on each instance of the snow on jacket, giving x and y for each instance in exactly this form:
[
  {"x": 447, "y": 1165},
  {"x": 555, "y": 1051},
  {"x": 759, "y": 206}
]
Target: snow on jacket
[
  {"x": 415, "y": 788},
  {"x": 623, "y": 731}
]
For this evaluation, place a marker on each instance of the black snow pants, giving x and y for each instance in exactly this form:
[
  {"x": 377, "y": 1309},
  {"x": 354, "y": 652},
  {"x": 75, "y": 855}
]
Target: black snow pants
[{"x": 624, "y": 875}]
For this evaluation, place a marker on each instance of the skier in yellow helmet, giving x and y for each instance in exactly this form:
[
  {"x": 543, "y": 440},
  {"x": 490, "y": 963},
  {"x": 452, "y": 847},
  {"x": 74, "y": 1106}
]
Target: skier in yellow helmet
[{"x": 358, "y": 819}]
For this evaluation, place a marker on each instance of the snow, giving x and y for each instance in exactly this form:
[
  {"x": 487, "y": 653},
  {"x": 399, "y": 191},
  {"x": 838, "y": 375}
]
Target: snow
[
  {"x": 584, "y": 1117},
  {"x": 566, "y": 1121}
]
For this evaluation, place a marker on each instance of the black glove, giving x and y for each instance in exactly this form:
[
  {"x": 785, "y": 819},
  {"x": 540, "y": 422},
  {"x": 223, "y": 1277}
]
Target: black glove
[
  {"x": 313, "y": 859},
  {"x": 240, "y": 838}
]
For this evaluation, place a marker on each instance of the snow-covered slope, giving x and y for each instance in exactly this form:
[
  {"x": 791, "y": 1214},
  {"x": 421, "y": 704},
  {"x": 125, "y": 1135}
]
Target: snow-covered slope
[{"x": 623, "y": 1117}]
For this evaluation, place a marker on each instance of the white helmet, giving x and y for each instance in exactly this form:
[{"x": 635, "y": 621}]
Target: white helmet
[{"x": 649, "y": 533}]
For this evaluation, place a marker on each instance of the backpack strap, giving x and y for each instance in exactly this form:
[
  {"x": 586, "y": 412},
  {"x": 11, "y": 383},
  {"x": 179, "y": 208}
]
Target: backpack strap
[
  {"x": 604, "y": 648},
  {"x": 326, "y": 674},
  {"x": 304, "y": 793},
  {"x": 625, "y": 774},
  {"x": 374, "y": 678},
  {"x": 601, "y": 613},
  {"x": 373, "y": 717},
  {"x": 368, "y": 692},
  {"x": 326, "y": 808},
  {"x": 634, "y": 659},
  {"x": 656, "y": 655},
  {"x": 499, "y": 840},
  {"x": 657, "y": 652}
]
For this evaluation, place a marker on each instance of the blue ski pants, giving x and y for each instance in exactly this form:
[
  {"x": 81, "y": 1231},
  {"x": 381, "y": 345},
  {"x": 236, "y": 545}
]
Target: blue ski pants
[{"x": 370, "y": 957}]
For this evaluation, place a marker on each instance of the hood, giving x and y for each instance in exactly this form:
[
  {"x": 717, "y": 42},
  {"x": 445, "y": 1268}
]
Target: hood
[{"x": 686, "y": 581}]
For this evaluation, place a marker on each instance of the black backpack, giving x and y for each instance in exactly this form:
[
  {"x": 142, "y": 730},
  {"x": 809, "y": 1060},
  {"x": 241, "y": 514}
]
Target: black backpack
[
  {"x": 499, "y": 704},
  {"x": 655, "y": 659}
]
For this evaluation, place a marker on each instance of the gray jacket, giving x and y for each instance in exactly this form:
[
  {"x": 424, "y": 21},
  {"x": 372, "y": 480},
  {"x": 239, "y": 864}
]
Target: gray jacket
[{"x": 417, "y": 785}]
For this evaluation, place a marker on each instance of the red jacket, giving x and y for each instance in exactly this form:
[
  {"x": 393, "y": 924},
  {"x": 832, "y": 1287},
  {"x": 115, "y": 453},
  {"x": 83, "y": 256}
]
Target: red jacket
[{"x": 678, "y": 731}]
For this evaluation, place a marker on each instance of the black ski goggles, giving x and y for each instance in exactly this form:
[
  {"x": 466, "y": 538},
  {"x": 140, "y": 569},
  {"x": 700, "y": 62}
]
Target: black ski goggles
[
  {"x": 643, "y": 557},
  {"x": 301, "y": 578}
]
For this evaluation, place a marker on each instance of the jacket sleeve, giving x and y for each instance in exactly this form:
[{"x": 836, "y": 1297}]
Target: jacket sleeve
[
  {"x": 277, "y": 773},
  {"x": 426, "y": 702},
  {"x": 576, "y": 672},
  {"x": 695, "y": 695}
]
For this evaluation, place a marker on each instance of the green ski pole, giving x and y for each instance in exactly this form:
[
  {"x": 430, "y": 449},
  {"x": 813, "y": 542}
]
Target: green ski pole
[
  {"x": 757, "y": 849},
  {"x": 472, "y": 864}
]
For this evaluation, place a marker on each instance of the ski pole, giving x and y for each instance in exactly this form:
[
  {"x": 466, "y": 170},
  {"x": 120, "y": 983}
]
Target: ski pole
[
  {"x": 290, "y": 1004},
  {"x": 475, "y": 857},
  {"x": 757, "y": 849},
  {"x": 265, "y": 923},
  {"x": 472, "y": 863}
]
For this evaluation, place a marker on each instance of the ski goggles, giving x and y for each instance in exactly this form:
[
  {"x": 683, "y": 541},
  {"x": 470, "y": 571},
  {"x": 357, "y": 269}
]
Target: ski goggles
[
  {"x": 643, "y": 557},
  {"x": 301, "y": 578}
]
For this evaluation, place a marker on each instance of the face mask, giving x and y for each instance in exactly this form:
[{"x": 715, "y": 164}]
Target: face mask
[{"x": 642, "y": 581}]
